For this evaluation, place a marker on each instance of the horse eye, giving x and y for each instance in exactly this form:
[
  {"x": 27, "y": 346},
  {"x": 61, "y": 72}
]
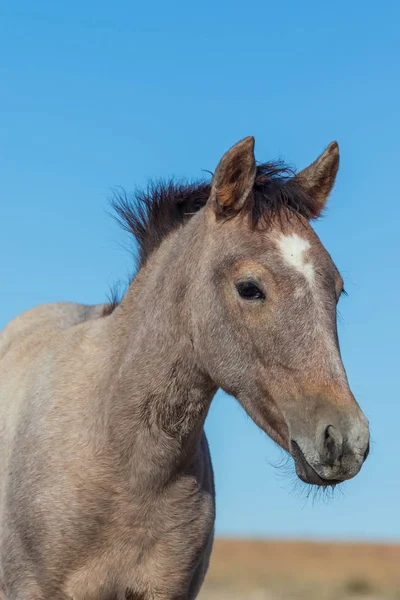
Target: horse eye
[{"x": 250, "y": 291}]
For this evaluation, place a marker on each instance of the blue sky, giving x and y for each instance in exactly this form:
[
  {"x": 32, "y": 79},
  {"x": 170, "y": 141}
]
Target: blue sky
[{"x": 95, "y": 95}]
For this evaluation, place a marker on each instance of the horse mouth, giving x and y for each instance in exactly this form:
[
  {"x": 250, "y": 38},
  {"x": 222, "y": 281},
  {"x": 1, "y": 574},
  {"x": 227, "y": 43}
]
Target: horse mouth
[{"x": 306, "y": 472}]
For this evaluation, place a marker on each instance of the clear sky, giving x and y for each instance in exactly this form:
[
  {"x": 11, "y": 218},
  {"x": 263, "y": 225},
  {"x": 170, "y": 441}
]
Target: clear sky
[{"x": 99, "y": 94}]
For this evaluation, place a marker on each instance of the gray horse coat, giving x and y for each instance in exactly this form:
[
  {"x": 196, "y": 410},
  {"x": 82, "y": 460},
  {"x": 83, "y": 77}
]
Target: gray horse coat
[{"x": 106, "y": 485}]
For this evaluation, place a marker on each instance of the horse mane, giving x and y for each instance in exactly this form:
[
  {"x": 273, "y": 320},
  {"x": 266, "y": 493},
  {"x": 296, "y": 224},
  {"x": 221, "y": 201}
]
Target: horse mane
[{"x": 150, "y": 215}]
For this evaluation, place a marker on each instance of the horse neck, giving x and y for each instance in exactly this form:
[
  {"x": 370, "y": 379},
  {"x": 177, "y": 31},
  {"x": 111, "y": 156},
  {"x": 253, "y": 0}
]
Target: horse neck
[{"x": 160, "y": 395}]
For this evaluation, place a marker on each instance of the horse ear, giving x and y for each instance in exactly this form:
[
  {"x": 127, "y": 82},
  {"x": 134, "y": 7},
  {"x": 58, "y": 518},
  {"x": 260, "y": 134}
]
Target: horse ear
[
  {"x": 234, "y": 178},
  {"x": 318, "y": 179}
]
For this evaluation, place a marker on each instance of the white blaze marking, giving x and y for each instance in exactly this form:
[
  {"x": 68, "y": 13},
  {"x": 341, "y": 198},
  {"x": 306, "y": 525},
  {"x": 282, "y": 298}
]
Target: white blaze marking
[{"x": 293, "y": 249}]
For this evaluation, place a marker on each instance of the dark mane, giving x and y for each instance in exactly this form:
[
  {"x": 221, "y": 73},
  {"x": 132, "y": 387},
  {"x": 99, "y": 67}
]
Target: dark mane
[{"x": 152, "y": 214}]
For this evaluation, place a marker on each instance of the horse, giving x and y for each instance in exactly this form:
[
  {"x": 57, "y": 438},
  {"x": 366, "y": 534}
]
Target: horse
[{"x": 106, "y": 482}]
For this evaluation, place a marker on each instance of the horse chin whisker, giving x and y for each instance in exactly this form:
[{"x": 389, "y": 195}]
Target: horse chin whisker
[
  {"x": 317, "y": 494},
  {"x": 284, "y": 467}
]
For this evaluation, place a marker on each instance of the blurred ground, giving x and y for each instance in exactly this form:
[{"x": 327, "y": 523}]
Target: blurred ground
[{"x": 258, "y": 570}]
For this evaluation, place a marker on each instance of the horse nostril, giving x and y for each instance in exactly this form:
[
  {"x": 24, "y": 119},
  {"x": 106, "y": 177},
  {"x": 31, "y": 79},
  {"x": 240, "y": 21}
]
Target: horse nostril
[
  {"x": 333, "y": 443},
  {"x": 366, "y": 453}
]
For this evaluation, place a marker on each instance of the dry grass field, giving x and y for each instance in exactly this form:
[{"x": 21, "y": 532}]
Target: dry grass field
[{"x": 282, "y": 570}]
